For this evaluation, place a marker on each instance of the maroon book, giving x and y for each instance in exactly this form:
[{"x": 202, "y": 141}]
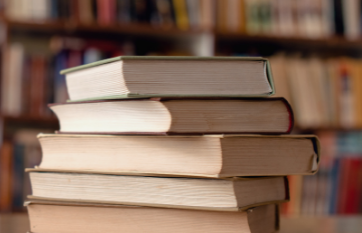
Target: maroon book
[{"x": 350, "y": 190}]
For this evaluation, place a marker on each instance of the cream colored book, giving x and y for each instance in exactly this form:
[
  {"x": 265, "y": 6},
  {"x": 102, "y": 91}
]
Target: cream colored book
[
  {"x": 165, "y": 76},
  {"x": 231, "y": 194},
  {"x": 176, "y": 116},
  {"x": 202, "y": 156},
  {"x": 61, "y": 217}
]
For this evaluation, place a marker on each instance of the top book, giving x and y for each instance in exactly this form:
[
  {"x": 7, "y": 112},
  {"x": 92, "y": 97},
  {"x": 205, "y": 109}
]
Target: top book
[{"x": 163, "y": 76}]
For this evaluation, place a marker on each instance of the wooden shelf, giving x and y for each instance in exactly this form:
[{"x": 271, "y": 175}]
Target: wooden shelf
[
  {"x": 298, "y": 130},
  {"x": 333, "y": 42},
  {"x": 70, "y": 27},
  {"x": 144, "y": 29}
]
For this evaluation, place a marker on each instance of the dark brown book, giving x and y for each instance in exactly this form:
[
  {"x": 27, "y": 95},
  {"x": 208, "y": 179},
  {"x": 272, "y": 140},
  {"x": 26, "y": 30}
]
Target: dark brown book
[
  {"x": 38, "y": 86},
  {"x": 6, "y": 157},
  {"x": 176, "y": 116}
]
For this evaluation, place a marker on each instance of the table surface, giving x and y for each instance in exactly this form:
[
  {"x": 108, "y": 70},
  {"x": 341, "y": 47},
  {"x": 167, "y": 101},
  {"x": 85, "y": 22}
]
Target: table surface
[{"x": 19, "y": 223}]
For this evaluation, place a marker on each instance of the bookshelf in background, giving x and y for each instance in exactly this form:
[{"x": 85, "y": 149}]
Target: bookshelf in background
[
  {"x": 326, "y": 98},
  {"x": 314, "y": 41}
]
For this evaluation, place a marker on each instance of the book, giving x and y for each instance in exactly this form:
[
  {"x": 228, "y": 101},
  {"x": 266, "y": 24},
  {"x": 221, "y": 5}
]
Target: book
[
  {"x": 231, "y": 194},
  {"x": 176, "y": 116},
  {"x": 160, "y": 76},
  {"x": 207, "y": 14},
  {"x": 203, "y": 156},
  {"x": 106, "y": 12},
  {"x": 124, "y": 11},
  {"x": 75, "y": 217},
  {"x": 235, "y": 19},
  {"x": 181, "y": 14},
  {"x": 351, "y": 18},
  {"x": 193, "y": 12},
  {"x": 336, "y": 188},
  {"x": 141, "y": 10},
  {"x": 26, "y": 152},
  {"x": 6, "y": 152},
  {"x": 11, "y": 85}
]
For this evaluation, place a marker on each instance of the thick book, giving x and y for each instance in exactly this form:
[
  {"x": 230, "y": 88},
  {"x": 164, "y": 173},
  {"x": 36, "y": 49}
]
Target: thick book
[
  {"x": 68, "y": 217},
  {"x": 202, "y": 156},
  {"x": 163, "y": 76},
  {"x": 229, "y": 194},
  {"x": 176, "y": 116}
]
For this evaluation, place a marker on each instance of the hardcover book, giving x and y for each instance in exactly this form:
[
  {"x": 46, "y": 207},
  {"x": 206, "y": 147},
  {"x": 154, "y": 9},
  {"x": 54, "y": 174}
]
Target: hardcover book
[
  {"x": 68, "y": 217},
  {"x": 176, "y": 116},
  {"x": 229, "y": 194},
  {"x": 202, "y": 156},
  {"x": 165, "y": 76}
]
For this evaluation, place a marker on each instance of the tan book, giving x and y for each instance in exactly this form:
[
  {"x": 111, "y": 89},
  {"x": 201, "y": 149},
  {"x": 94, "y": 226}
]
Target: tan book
[
  {"x": 85, "y": 12},
  {"x": 207, "y": 14},
  {"x": 221, "y": 15},
  {"x": 170, "y": 76},
  {"x": 176, "y": 116},
  {"x": 61, "y": 217},
  {"x": 231, "y": 194},
  {"x": 203, "y": 156}
]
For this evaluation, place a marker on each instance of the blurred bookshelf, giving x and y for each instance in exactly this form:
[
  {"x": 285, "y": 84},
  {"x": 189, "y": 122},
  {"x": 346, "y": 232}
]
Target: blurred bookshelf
[{"x": 314, "y": 47}]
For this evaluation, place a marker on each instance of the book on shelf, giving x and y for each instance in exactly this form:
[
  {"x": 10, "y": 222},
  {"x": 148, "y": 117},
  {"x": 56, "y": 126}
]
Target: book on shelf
[
  {"x": 229, "y": 194},
  {"x": 176, "y": 116},
  {"x": 324, "y": 93},
  {"x": 16, "y": 154},
  {"x": 202, "y": 156},
  {"x": 284, "y": 18},
  {"x": 31, "y": 78},
  {"x": 181, "y": 16},
  {"x": 106, "y": 12},
  {"x": 50, "y": 216},
  {"x": 6, "y": 194},
  {"x": 193, "y": 13},
  {"x": 11, "y": 84},
  {"x": 336, "y": 188},
  {"x": 164, "y": 15},
  {"x": 159, "y": 76}
]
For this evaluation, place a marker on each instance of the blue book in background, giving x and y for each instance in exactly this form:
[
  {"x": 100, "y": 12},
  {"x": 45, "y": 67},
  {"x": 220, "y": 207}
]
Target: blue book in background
[
  {"x": 60, "y": 89},
  {"x": 18, "y": 176},
  {"x": 334, "y": 186},
  {"x": 54, "y": 9}
]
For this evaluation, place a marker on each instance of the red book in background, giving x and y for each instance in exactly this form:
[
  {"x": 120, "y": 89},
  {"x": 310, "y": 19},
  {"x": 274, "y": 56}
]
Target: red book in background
[
  {"x": 6, "y": 154},
  {"x": 106, "y": 12},
  {"x": 75, "y": 10},
  {"x": 342, "y": 187},
  {"x": 354, "y": 187},
  {"x": 349, "y": 191},
  {"x": 38, "y": 85}
]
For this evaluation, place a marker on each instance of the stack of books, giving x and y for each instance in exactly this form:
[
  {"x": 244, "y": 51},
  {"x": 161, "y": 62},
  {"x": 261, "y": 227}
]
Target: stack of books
[{"x": 168, "y": 144}]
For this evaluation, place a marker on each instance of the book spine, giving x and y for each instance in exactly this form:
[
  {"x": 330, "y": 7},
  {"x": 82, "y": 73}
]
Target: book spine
[
  {"x": 182, "y": 20},
  {"x": 18, "y": 178},
  {"x": 6, "y": 154},
  {"x": 106, "y": 12}
]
